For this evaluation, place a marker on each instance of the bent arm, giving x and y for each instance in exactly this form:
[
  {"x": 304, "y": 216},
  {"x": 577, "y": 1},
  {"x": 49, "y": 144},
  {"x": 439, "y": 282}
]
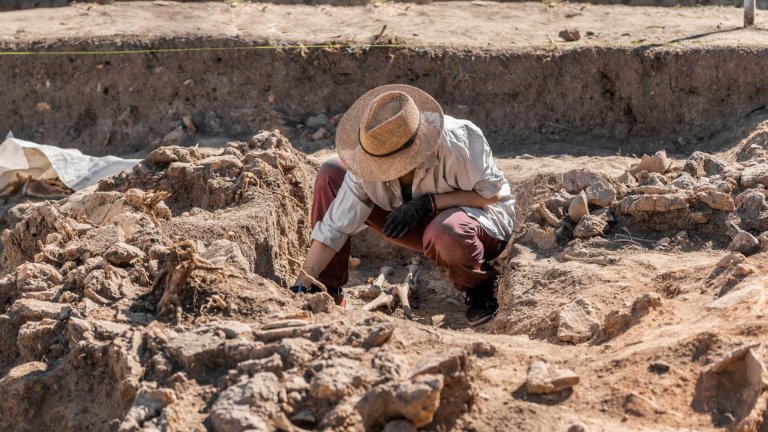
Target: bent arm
[{"x": 464, "y": 199}]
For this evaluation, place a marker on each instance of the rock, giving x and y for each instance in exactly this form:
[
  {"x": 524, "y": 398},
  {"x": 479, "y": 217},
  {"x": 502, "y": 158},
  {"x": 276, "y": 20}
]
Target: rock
[
  {"x": 399, "y": 426},
  {"x": 331, "y": 384},
  {"x": 601, "y": 194},
  {"x": 658, "y": 163},
  {"x": 226, "y": 253},
  {"x": 754, "y": 175},
  {"x": 371, "y": 333},
  {"x": 98, "y": 240},
  {"x": 415, "y": 400},
  {"x": 227, "y": 166},
  {"x": 36, "y": 310},
  {"x": 645, "y": 178},
  {"x": 569, "y": 35},
  {"x": 245, "y": 406},
  {"x": 575, "y": 181},
  {"x": 320, "y": 303},
  {"x": 544, "y": 239},
  {"x": 579, "y": 207},
  {"x": 753, "y": 295},
  {"x": 35, "y": 337},
  {"x": 36, "y": 277},
  {"x": 230, "y": 328},
  {"x": 684, "y": 181},
  {"x": 317, "y": 120},
  {"x": 544, "y": 378},
  {"x": 731, "y": 260},
  {"x": 449, "y": 364},
  {"x": 122, "y": 254},
  {"x": 745, "y": 243},
  {"x": 273, "y": 364},
  {"x": 717, "y": 200},
  {"x": 731, "y": 384},
  {"x": 659, "y": 367},
  {"x": 590, "y": 226},
  {"x": 700, "y": 164},
  {"x": 743, "y": 270},
  {"x": 577, "y": 322},
  {"x": 320, "y": 134},
  {"x": 577, "y": 427},
  {"x": 558, "y": 203},
  {"x": 627, "y": 179},
  {"x": 195, "y": 350},
  {"x": 651, "y": 203},
  {"x": 147, "y": 405},
  {"x": 173, "y": 138},
  {"x": 763, "y": 239}
]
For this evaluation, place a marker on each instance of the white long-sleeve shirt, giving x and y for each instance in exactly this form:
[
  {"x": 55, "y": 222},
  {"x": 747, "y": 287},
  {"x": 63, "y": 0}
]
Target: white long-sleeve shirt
[{"x": 462, "y": 160}]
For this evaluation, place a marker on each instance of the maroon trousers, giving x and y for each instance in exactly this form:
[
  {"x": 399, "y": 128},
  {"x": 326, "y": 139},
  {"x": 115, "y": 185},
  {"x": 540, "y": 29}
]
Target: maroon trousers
[{"x": 451, "y": 239}]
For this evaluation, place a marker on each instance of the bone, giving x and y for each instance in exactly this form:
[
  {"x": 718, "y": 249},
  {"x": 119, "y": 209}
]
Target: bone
[
  {"x": 410, "y": 285},
  {"x": 377, "y": 287},
  {"x": 383, "y": 299}
]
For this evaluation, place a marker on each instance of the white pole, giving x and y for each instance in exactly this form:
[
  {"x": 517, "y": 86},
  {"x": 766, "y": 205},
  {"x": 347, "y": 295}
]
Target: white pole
[{"x": 749, "y": 13}]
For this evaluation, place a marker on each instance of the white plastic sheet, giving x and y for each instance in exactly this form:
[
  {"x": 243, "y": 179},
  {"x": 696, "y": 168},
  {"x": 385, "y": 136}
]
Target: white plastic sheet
[{"x": 41, "y": 162}]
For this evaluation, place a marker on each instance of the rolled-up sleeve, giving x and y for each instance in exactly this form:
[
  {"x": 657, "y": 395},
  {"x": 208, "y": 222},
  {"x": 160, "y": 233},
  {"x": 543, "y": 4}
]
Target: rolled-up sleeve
[
  {"x": 347, "y": 213},
  {"x": 471, "y": 165}
]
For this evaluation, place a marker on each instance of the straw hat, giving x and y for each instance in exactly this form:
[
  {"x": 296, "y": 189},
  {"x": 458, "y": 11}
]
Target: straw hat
[{"x": 388, "y": 132}]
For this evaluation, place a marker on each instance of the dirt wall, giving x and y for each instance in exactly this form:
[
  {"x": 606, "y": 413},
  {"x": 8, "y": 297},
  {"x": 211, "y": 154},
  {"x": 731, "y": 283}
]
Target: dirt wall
[{"x": 629, "y": 99}]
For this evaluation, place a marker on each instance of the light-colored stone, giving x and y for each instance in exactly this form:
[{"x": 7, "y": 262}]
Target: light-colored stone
[
  {"x": 601, "y": 194},
  {"x": 544, "y": 239},
  {"x": 195, "y": 350},
  {"x": 545, "y": 378},
  {"x": 247, "y": 405},
  {"x": 652, "y": 203},
  {"x": 121, "y": 254},
  {"x": 317, "y": 120},
  {"x": 590, "y": 226},
  {"x": 320, "y": 302},
  {"x": 226, "y": 253},
  {"x": 98, "y": 240},
  {"x": 416, "y": 400},
  {"x": 755, "y": 175},
  {"x": 36, "y": 310},
  {"x": 577, "y": 322},
  {"x": 399, "y": 426},
  {"x": 752, "y": 295},
  {"x": 731, "y": 259},
  {"x": 658, "y": 163},
  {"x": 717, "y": 200},
  {"x": 575, "y": 181},
  {"x": 579, "y": 207},
  {"x": 745, "y": 243}
]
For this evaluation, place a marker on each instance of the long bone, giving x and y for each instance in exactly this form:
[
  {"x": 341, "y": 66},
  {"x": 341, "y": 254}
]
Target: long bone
[
  {"x": 377, "y": 286},
  {"x": 399, "y": 291}
]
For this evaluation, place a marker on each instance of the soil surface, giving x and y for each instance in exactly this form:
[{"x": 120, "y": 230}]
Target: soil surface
[{"x": 632, "y": 296}]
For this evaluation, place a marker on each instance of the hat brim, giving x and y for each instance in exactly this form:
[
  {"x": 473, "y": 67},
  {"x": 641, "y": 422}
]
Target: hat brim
[{"x": 373, "y": 168}]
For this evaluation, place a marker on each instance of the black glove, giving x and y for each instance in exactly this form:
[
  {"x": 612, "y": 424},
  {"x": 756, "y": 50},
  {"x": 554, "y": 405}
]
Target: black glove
[{"x": 407, "y": 216}]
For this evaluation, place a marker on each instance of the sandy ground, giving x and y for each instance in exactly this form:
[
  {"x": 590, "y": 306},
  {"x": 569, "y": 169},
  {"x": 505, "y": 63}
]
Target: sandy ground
[{"x": 476, "y": 24}]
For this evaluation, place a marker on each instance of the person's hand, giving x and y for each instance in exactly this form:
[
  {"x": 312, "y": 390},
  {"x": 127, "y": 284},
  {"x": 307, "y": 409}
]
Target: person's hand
[{"x": 407, "y": 216}]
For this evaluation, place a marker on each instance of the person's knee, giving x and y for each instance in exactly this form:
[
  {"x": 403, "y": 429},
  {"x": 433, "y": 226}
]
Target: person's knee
[
  {"x": 331, "y": 171},
  {"x": 445, "y": 240}
]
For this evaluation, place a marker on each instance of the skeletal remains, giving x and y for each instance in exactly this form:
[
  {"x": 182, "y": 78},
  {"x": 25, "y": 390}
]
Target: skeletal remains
[{"x": 395, "y": 293}]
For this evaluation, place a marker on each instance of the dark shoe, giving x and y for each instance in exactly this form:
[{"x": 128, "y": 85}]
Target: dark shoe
[
  {"x": 338, "y": 296},
  {"x": 481, "y": 303}
]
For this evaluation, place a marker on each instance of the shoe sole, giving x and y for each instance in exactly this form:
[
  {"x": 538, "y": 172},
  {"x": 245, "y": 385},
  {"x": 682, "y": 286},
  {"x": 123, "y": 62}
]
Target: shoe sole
[{"x": 481, "y": 321}]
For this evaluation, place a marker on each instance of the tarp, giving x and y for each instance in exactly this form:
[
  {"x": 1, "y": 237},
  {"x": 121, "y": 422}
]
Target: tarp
[{"x": 41, "y": 162}]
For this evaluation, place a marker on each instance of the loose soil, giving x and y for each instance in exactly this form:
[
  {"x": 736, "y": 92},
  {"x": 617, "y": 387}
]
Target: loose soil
[{"x": 157, "y": 300}]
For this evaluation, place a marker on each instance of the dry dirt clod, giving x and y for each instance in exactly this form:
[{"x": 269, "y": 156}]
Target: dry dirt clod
[
  {"x": 590, "y": 226},
  {"x": 579, "y": 207},
  {"x": 717, "y": 200},
  {"x": 569, "y": 35},
  {"x": 544, "y": 239},
  {"x": 577, "y": 322},
  {"x": 745, "y": 243},
  {"x": 545, "y": 378},
  {"x": 416, "y": 400}
]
